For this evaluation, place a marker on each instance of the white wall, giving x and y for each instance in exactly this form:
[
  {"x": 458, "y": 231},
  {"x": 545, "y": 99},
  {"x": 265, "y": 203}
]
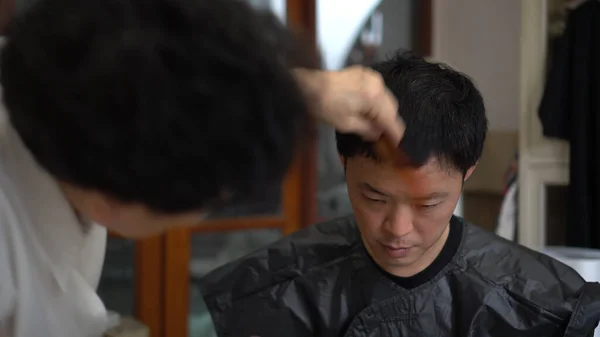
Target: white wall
[
  {"x": 338, "y": 23},
  {"x": 482, "y": 39}
]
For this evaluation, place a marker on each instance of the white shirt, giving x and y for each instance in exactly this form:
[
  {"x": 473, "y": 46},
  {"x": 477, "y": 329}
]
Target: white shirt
[{"x": 49, "y": 265}]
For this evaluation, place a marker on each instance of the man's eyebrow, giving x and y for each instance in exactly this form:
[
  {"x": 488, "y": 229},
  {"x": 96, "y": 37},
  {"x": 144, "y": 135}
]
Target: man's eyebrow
[
  {"x": 431, "y": 196},
  {"x": 371, "y": 189}
]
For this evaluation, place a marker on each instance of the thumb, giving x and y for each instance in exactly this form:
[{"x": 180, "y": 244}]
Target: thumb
[
  {"x": 394, "y": 130},
  {"x": 384, "y": 115}
]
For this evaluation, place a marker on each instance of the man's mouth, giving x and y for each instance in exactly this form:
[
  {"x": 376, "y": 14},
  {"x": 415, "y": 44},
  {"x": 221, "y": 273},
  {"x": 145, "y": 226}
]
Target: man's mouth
[
  {"x": 395, "y": 247},
  {"x": 396, "y": 251}
]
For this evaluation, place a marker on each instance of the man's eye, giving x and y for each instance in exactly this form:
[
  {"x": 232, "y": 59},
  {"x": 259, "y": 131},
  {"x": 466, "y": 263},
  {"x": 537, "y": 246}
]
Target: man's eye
[
  {"x": 428, "y": 206},
  {"x": 373, "y": 199}
]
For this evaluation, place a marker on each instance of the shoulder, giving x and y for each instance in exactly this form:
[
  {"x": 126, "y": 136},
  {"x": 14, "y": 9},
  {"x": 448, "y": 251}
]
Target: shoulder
[
  {"x": 518, "y": 270},
  {"x": 291, "y": 257}
]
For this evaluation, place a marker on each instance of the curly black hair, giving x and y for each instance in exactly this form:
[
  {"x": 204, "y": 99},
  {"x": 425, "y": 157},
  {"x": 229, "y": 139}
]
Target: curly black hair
[
  {"x": 173, "y": 104},
  {"x": 443, "y": 111}
]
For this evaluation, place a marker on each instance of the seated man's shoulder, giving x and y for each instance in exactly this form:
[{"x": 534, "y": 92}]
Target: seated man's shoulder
[
  {"x": 516, "y": 268},
  {"x": 296, "y": 255}
]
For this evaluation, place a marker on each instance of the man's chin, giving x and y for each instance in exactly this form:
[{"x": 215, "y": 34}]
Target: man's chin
[{"x": 403, "y": 266}]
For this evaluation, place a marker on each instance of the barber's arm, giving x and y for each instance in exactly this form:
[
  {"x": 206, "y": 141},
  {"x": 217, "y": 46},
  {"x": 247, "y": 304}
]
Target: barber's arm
[{"x": 353, "y": 100}]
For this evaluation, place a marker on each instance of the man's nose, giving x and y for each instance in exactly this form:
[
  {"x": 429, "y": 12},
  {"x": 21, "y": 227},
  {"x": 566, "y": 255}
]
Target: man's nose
[{"x": 399, "y": 222}]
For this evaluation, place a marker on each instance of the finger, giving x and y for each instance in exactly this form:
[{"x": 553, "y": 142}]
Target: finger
[
  {"x": 387, "y": 119},
  {"x": 388, "y": 151},
  {"x": 371, "y": 133},
  {"x": 382, "y": 108}
]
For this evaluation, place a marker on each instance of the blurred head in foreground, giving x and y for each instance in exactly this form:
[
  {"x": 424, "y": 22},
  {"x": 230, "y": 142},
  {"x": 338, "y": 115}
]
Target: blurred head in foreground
[{"x": 149, "y": 113}]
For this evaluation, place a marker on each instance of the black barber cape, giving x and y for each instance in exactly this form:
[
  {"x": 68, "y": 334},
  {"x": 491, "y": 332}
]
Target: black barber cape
[
  {"x": 570, "y": 110},
  {"x": 321, "y": 282}
]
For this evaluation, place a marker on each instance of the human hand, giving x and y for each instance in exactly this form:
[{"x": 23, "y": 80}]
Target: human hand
[{"x": 354, "y": 100}]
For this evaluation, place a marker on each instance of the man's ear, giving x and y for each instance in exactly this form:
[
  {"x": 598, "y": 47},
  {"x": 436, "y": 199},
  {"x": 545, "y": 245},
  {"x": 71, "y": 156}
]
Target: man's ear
[
  {"x": 469, "y": 172},
  {"x": 343, "y": 160},
  {"x": 101, "y": 208}
]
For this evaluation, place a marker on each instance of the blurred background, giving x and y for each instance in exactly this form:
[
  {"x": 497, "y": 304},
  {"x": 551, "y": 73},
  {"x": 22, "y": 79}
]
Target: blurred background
[{"x": 519, "y": 190}]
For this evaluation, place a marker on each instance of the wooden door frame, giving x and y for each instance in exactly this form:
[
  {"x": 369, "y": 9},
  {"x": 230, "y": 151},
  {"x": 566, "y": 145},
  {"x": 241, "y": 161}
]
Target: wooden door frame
[
  {"x": 301, "y": 17},
  {"x": 423, "y": 28},
  {"x": 149, "y": 265}
]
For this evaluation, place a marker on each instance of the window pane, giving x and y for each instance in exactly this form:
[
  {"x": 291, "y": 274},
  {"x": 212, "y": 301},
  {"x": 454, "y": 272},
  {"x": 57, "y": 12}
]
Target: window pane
[{"x": 117, "y": 282}]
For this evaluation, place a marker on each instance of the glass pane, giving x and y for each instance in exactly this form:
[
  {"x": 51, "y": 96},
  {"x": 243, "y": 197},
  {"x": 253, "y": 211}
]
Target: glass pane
[
  {"x": 117, "y": 282},
  {"x": 211, "y": 250},
  {"x": 363, "y": 33},
  {"x": 556, "y": 214}
]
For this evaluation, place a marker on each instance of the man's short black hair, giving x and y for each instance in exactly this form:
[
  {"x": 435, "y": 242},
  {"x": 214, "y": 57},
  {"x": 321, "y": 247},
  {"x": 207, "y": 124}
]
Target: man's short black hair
[
  {"x": 168, "y": 103},
  {"x": 443, "y": 111}
]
